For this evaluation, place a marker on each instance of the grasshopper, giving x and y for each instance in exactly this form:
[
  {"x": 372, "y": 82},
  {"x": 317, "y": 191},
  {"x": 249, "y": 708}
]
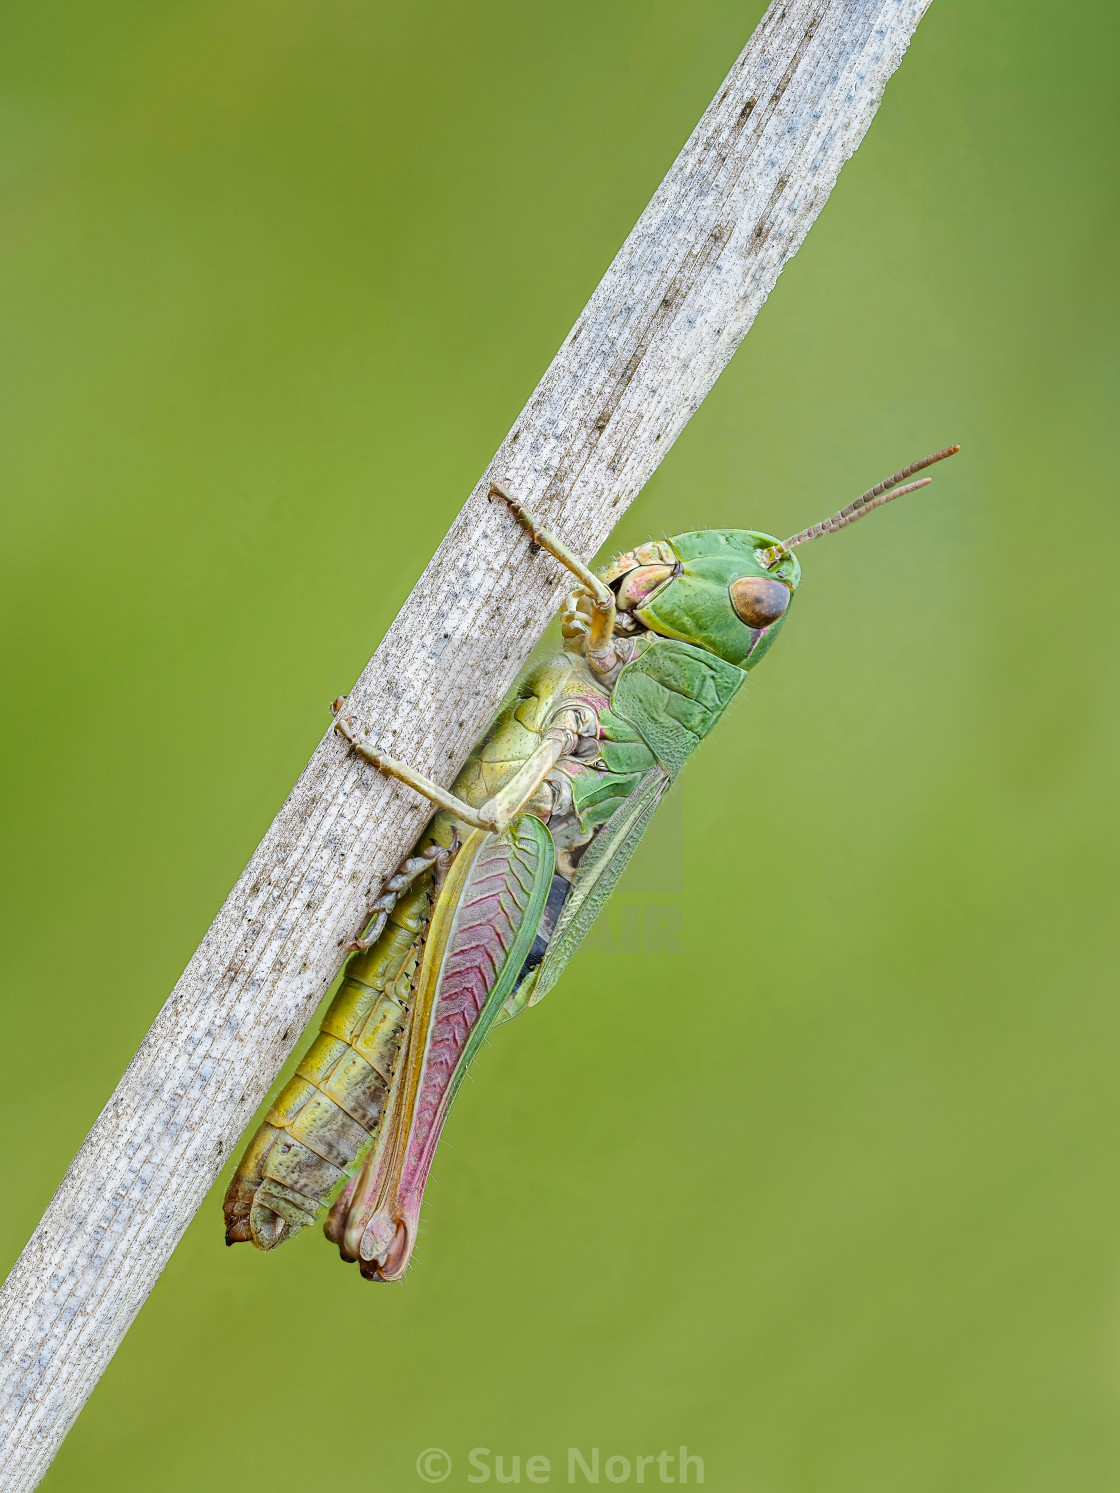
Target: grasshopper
[{"x": 481, "y": 918}]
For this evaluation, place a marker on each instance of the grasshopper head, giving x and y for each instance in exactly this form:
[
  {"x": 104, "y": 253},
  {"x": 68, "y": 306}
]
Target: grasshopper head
[
  {"x": 721, "y": 589},
  {"x": 728, "y": 590}
]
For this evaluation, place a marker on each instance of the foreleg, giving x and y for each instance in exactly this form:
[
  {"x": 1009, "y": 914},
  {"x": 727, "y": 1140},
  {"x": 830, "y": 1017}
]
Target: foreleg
[{"x": 599, "y": 646}]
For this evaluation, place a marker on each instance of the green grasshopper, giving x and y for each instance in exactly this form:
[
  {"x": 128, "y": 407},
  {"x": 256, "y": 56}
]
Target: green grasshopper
[{"x": 479, "y": 921}]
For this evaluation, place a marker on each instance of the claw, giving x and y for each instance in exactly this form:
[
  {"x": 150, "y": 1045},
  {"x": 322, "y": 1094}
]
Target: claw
[{"x": 345, "y": 725}]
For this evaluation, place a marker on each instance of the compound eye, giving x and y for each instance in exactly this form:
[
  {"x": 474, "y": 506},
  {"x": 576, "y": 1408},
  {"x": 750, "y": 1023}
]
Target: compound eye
[{"x": 759, "y": 601}]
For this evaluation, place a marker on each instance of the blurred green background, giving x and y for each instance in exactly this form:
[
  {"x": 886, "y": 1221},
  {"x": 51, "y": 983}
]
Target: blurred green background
[{"x": 828, "y": 1195}]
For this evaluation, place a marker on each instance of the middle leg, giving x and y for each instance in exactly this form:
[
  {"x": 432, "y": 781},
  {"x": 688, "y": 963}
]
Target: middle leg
[
  {"x": 344, "y": 725},
  {"x": 499, "y": 811}
]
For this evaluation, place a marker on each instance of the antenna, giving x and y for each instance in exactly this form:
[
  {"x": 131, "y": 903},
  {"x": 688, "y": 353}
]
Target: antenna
[{"x": 874, "y": 497}]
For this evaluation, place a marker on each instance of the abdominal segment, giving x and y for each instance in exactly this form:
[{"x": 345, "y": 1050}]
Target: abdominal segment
[{"x": 322, "y": 1123}]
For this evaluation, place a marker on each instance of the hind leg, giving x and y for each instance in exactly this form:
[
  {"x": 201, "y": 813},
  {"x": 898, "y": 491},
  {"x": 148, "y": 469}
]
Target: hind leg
[{"x": 409, "y": 870}]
